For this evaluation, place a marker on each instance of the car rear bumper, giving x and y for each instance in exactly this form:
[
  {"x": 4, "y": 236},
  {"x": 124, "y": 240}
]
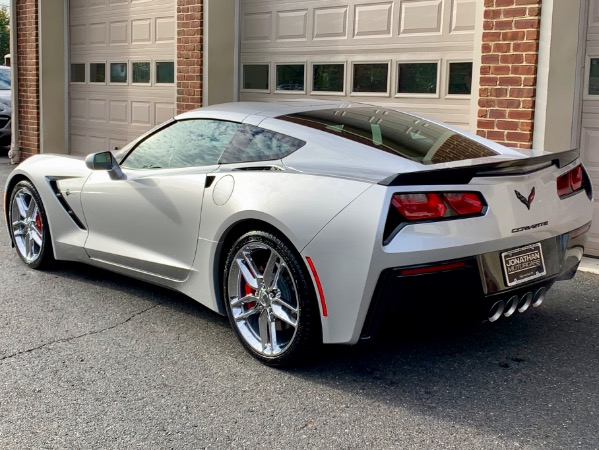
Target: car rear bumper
[{"x": 469, "y": 287}]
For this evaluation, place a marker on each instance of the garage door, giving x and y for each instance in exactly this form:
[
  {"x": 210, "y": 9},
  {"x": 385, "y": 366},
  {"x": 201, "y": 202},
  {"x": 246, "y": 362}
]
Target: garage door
[
  {"x": 415, "y": 54},
  {"x": 590, "y": 119},
  {"x": 122, "y": 70}
]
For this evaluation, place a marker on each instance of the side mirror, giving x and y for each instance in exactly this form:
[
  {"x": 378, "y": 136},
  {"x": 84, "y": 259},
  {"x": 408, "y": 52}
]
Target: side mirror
[{"x": 104, "y": 161}]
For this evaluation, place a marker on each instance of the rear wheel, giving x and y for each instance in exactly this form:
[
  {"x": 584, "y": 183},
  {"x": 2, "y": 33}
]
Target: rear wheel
[
  {"x": 29, "y": 226},
  {"x": 270, "y": 301}
]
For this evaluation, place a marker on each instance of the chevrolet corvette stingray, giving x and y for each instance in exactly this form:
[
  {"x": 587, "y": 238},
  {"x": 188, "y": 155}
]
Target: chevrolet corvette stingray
[{"x": 309, "y": 222}]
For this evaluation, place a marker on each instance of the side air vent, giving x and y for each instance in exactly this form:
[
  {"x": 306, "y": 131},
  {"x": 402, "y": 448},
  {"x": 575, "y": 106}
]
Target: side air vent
[{"x": 65, "y": 205}]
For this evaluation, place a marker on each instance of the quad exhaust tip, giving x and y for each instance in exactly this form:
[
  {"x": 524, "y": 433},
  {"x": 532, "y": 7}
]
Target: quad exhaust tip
[
  {"x": 525, "y": 302},
  {"x": 496, "y": 311},
  {"x": 539, "y": 297},
  {"x": 511, "y": 306}
]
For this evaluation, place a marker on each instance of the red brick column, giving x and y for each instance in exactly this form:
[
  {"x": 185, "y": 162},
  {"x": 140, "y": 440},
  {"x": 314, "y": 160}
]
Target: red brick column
[
  {"x": 28, "y": 73},
  {"x": 508, "y": 71},
  {"x": 189, "y": 54}
]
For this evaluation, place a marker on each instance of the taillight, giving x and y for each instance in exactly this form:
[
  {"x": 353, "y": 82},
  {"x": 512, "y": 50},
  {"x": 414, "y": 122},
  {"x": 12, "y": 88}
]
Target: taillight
[
  {"x": 570, "y": 182},
  {"x": 419, "y": 206},
  {"x": 434, "y": 205},
  {"x": 465, "y": 203},
  {"x": 414, "y": 207}
]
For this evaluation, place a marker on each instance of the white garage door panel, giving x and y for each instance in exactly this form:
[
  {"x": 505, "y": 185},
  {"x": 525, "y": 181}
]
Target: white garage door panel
[
  {"x": 108, "y": 115},
  {"x": 590, "y": 124},
  {"x": 353, "y": 32}
]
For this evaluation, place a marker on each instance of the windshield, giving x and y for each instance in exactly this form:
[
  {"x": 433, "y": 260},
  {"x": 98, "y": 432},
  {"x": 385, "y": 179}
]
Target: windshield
[{"x": 5, "y": 79}]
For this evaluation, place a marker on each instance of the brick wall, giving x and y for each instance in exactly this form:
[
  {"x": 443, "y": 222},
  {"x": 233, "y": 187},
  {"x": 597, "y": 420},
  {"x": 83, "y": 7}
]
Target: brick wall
[
  {"x": 28, "y": 71},
  {"x": 189, "y": 54},
  {"x": 508, "y": 71}
]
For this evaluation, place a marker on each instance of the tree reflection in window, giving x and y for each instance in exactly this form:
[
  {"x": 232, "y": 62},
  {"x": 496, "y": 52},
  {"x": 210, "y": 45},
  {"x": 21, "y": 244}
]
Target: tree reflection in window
[
  {"x": 460, "y": 78},
  {"x": 290, "y": 77},
  {"x": 417, "y": 78},
  {"x": 328, "y": 77},
  {"x": 371, "y": 77},
  {"x": 186, "y": 143}
]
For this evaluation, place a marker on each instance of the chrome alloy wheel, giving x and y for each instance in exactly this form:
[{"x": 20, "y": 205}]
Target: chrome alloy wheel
[
  {"x": 27, "y": 225},
  {"x": 263, "y": 299}
]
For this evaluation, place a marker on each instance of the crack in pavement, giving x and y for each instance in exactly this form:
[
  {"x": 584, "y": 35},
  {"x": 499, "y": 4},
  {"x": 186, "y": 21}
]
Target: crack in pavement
[{"x": 90, "y": 333}]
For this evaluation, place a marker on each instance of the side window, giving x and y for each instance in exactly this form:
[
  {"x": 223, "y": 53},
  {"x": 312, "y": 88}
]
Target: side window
[
  {"x": 251, "y": 143},
  {"x": 187, "y": 143}
]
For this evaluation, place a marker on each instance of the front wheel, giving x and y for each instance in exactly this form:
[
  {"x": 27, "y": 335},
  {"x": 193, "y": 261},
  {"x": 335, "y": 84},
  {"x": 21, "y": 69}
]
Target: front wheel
[
  {"x": 29, "y": 226},
  {"x": 270, "y": 300}
]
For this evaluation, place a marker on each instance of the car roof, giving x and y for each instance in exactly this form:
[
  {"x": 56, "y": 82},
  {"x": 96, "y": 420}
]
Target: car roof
[{"x": 265, "y": 109}]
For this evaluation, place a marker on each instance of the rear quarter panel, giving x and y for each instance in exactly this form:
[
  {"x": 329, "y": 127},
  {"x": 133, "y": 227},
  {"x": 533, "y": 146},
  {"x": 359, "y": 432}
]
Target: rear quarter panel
[{"x": 296, "y": 205}]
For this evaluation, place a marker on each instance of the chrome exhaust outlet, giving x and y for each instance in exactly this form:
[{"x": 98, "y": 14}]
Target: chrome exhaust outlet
[
  {"x": 525, "y": 302},
  {"x": 539, "y": 297},
  {"x": 496, "y": 311},
  {"x": 510, "y": 306}
]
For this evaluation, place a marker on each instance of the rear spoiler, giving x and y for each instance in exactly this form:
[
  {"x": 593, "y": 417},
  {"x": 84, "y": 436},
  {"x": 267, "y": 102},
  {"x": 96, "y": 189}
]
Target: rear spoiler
[{"x": 463, "y": 175}]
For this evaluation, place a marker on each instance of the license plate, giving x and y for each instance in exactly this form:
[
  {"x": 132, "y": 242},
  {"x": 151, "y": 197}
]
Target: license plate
[{"x": 523, "y": 264}]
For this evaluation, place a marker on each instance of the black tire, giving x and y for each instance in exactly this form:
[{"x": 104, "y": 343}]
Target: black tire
[
  {"x": 282, "y": 303},
  {"x": 29, "y": 229}
]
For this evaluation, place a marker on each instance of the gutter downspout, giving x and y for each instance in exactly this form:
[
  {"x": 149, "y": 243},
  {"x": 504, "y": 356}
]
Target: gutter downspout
[{"x": 15, "y": 153}]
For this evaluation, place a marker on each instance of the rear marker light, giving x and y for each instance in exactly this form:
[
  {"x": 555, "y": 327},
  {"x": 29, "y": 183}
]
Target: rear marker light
[
  {"x": 431, "y": 269},
  {"x": 570, "y": 182},
  {"x": 323, "y": 302},
  {"x": 580, "y": 231}
]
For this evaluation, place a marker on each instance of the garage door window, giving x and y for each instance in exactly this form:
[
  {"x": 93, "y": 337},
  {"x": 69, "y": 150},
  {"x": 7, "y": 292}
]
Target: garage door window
[
  {"x": 255, "y": 77},
  {"x": 140, "y": 72},
  {"x": 371, "y": 78},
  {"x": 97, "y": 73},
  {"x": 594, "y": 77},
  {"x": 118, "y": 72},
  {"x": 165, "y": 72},
  {"x": 328, "y": 78},
  {"x": 417, "y": 78},
  {"x": 290, "y": 77},
  {"x": 460, "y": 78},
  {"x": 77, "y": 73}
]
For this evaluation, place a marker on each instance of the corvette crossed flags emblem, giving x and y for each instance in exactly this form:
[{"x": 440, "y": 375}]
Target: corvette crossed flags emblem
[{"x": 527, "y": 201}]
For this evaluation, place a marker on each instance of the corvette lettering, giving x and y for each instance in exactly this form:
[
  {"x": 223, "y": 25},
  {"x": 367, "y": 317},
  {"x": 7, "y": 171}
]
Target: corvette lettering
[{"x": 530, "y": 227}]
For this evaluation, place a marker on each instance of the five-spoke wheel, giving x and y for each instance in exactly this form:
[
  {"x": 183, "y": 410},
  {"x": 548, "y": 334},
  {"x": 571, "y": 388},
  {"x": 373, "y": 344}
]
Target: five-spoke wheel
[
  {"x": 29, "y": 227},
  {"x": 268, "y": 298}
]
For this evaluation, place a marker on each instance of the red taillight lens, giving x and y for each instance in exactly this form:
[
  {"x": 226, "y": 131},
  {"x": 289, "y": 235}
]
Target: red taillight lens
[
  {"x": 576, "y": 178},
  {"x": 419, "y": 206},
  {"x": 465, "y": 203},
  {"x": 437, "y": 205},
  {"x": 570, "y": 182}
]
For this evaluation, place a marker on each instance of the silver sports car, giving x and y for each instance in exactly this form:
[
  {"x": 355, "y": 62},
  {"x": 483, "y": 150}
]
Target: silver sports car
[{"x": 308, "y": 223}]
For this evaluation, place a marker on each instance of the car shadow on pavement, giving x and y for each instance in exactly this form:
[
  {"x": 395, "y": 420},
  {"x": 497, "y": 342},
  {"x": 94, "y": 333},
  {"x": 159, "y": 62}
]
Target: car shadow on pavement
[{"x": 518, "y": 377}]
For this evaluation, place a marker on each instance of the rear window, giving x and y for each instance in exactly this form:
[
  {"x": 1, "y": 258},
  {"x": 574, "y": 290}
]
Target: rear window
[
  {"x": 394, "y": 132},
  {"x": 252, "y": 143}
]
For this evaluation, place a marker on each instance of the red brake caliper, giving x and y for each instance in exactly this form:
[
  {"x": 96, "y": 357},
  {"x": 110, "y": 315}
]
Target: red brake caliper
[
  {"x": 38, "y": 221},
  {"x": 249, "y": 291}
]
